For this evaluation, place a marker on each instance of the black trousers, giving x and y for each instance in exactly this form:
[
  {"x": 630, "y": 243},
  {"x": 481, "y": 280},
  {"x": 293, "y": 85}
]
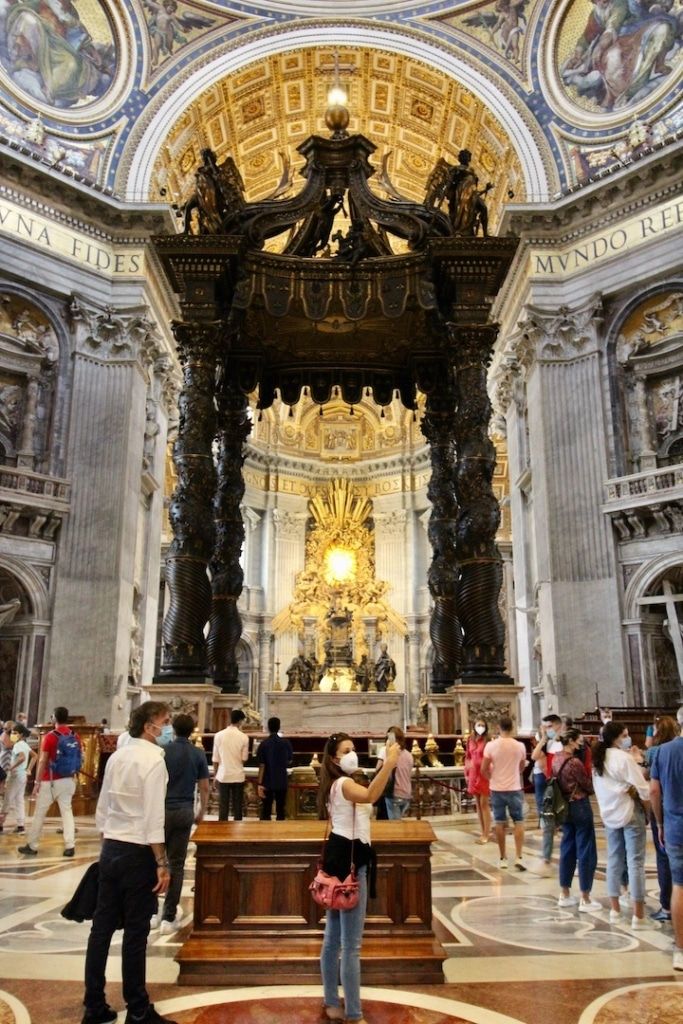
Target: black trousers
[
  {"x": 230, "y": 793},
  {"x": 279, "y": 796},
  {"x": 177, "y": 827},
  {"x": 127, "y": 876}
]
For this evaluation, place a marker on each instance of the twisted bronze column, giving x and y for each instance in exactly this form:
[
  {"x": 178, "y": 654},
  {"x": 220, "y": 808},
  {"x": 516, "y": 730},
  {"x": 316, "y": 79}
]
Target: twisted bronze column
[
  {"x": 479, "y": 561},
  {"x": 444, "y": 627},
  {"x": 183, "y": 652},
  {"x": 225, "y": 628}
]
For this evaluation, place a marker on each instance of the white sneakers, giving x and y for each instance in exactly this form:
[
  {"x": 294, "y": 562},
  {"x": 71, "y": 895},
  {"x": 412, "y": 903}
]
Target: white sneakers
[
  {"x": 585, "y": 906},
  {"x": 168, "y": 927},
  {"x": 678, "y": 960},
  {"x": 503, "y": 863},
  {"x": 520, "y": 865},
  {"x": 641, "y": 924},
  {"x": 614, "y": 916},
  {"x": 589, "y": 906}
]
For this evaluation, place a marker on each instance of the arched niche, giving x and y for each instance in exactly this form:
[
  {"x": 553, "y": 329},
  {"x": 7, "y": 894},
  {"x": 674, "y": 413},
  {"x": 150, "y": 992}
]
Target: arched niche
[
  {"x": 23, "y": 636},
  {"x": 29, "y": 362},
  {"x": 654, "y": 630},
  {"x": 646, "y": 363}
]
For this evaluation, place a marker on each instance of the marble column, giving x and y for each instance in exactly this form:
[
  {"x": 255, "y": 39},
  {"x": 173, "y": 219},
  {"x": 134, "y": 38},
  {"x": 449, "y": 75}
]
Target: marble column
[
  {"x": 647, "y": 457},
  {"x": 225, "y": 626},
  {"x": 183, "y": 654},
  {"x": 25, "y": 452},
  {"x": 444, "y": 629}
]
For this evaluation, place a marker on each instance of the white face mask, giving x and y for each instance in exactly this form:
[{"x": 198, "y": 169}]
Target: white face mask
[
  {"x": 348, "y": 762},
  {"x": 480, "y": 729}
]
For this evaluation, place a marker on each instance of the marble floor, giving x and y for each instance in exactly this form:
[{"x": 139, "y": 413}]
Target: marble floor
[{"x": 513, "y": 956}]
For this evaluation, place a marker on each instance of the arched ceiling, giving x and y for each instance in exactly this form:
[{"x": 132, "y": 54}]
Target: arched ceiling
[{"x": 409, "y": 110}]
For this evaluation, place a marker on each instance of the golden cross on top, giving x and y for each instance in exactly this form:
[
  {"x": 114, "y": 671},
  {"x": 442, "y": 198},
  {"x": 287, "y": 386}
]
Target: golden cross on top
[{"x": 337, "y": 68}]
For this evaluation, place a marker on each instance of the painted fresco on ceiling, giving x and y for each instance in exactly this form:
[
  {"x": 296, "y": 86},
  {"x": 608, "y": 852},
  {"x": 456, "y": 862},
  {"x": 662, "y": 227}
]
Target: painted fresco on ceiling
[
  {"x": 502, "y": 25},
  {"x": 59, "y": 52},
  {"x": 612, "y": 54},
  {"x": 171, "y": 25}
]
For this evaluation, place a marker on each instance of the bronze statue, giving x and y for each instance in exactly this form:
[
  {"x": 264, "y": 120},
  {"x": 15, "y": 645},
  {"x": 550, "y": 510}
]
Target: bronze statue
[
  {"x": 218, "y": 197},
  {"x": 466, "y": 206},
  {"x": 296, "y": 673},
  {"x": 364, "y": 674},
  {"x": 385, "y": 670}
]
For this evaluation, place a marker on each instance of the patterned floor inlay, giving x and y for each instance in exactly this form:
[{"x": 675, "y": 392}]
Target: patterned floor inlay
[
  {"x": 646, "y": 1004},
  {"x": 289, "y": 1006}
]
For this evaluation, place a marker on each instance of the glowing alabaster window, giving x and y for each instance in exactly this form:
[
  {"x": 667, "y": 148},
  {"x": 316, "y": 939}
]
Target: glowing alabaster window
[{"x": 340, "y": 565}]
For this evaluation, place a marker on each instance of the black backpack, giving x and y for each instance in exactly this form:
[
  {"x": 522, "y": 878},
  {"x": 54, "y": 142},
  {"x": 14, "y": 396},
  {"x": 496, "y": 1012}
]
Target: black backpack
[{"x": 555, "y": 803}]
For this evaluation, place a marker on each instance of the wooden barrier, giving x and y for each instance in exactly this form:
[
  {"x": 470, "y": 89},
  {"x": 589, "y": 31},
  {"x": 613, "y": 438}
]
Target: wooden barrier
[{"x": 255, "y": 921}]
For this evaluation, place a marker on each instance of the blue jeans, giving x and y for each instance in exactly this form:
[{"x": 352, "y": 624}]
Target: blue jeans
[
  {"x": 663, "y": 868},
  {"x": 344, "y": 933},
  {"x": 578, "y": 846},
  {"x": 626, "y": 848},
  {"x": 539, "y": 790},
  {"x": 397, "y": 806}
]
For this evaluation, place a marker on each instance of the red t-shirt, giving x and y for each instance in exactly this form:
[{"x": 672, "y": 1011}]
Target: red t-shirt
[{"x": 50, "y": 746}]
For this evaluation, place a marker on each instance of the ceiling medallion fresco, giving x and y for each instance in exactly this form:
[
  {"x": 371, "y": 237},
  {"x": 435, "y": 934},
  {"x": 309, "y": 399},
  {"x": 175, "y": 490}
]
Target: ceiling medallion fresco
[
  {"x": 62, "y": 57},
  {"x": 612, "y": 59},
  {"x": 413, "y": 113}
]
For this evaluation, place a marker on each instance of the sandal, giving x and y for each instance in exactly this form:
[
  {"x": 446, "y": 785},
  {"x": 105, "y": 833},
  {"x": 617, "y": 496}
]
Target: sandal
[{"x": 482, "y": 841}]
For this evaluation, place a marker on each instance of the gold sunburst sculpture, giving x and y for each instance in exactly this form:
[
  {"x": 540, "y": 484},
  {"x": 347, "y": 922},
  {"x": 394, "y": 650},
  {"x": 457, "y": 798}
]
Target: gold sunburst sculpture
[{"x": 339, "y": 571}]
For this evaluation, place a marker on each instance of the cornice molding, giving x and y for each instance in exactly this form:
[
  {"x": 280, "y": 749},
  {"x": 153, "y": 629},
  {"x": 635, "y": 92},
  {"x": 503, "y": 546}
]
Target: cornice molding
[{"x": 38, "y": 187}]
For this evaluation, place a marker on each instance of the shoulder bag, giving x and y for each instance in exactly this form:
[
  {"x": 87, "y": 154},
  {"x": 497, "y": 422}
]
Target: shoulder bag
[{"x": 327, "y": 890}]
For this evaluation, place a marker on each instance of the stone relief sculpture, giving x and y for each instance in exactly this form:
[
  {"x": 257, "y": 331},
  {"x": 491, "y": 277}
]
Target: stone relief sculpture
[
  {"x": 61, "y": 53},
  {"x": 9, "y": 611},
  {"x": 10, "y": 409},
  {"x": 624, "y": 51},
  {"x": 152, "y": 429}
]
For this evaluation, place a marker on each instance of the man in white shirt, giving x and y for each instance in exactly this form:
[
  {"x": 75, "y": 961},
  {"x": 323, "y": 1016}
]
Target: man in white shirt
[
  {"x": 230, "y": 751},
  {"x": 133, "y": 869}
]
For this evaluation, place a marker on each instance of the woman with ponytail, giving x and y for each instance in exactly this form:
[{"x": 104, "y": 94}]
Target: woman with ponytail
[
  {"x": 348, "y": 806},
  {"x": 622, "y": 794}
]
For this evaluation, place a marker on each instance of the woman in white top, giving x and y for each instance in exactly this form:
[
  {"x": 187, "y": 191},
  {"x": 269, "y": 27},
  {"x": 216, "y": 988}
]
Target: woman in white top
[
  {"x": 348, "y": 806},
  {"x": 622, "y": 794}
]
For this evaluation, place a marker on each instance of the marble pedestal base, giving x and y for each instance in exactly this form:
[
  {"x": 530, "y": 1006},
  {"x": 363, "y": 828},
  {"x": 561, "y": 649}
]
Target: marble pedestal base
[
  {"x": 321, "y": 713},
  {"x": 456, "y": 710},
  {"x": 188, "y": 698}
]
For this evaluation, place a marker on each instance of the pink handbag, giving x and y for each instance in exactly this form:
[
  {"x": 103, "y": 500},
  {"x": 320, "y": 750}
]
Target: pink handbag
[{"x": 327, "y": 890}]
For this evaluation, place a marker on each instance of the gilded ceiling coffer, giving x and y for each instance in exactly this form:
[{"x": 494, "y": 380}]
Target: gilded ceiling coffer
[{"x": 334, "y": 311}]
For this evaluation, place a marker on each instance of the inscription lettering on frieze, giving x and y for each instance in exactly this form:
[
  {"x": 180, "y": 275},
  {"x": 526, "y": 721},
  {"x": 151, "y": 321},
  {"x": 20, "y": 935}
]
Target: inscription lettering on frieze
[
  {"x": 629, "y": 235},
  {"x": 76, "y": 246}
]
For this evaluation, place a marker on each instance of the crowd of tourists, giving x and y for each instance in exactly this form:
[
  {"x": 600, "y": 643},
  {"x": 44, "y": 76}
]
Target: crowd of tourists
[{"x": 155, "y": 789}]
